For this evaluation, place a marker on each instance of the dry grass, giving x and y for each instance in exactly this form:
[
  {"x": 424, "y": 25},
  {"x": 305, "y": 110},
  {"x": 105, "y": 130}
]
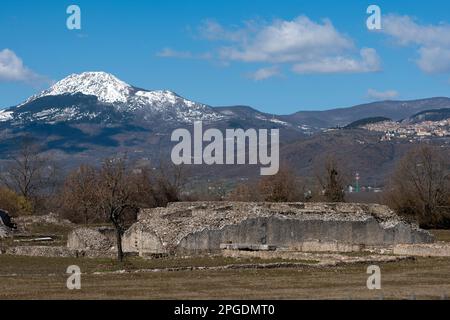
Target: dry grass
[
  {"x": 44, "y": 278},
  {"x": 441, "y": 235}
]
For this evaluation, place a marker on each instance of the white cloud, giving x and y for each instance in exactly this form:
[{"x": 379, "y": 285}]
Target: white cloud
[
  {"x": 434, "y": 60},
  {"x": 12, "y": 69},
  {"x": 306, "y": 45},
  {"x": 213, "y": 31},
  {"x": 433, "y": 41},
  {"x": 170, "y": 53},
  {"x": 369, "y": 62},
  {"x": 288, "y": 41},
  {"x": 407, "y": 31},
  {"x": 382, "y": 95},
  {"x": 264, "y": 73}
]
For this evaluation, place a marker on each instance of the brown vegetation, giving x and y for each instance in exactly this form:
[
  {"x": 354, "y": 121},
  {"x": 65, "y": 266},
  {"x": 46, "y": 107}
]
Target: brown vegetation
[
  {"x": 287, "y": 186},
  {"x": 282, "y": 187},
  {"x": 78, "y": 196},
  {"x": 30, "y": 175},
  {"x": 115, "y": 191},
  {"x": 420, "y": 187},
  {"x": 332, "y": 181},
  {"x": 14, "y": 204}
]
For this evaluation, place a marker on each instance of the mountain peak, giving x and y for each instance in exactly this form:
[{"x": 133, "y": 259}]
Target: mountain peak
[
  {"x": 106, "y": 87},
  {"x": 118, "y": 96}
]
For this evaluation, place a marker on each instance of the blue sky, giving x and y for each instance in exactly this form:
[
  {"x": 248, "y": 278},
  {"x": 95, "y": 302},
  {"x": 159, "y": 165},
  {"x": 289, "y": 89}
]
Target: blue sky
[{"x": 233, "y": 52}]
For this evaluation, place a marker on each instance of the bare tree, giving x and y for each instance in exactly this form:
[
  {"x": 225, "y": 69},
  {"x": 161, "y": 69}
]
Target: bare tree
[
  {"x": 29, "y": 173},
  {"x": 285, "y": 186},
  {"x": 145, "y": 182},
  {"x": 245, "y": 192},
  {"x": 421, "y": 185},
  {"x": 332, "y": 180},
  {"x": 282, "y": 187},
  {"x": 170, "y": 181},
  {"x": 115, "y": 195},
  {"x": 117, "y": 191},
  {"x": 78, "y": 197}
]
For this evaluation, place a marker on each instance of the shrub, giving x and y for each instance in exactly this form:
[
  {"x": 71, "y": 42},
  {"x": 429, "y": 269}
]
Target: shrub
[{"x": 15, "y": 204}]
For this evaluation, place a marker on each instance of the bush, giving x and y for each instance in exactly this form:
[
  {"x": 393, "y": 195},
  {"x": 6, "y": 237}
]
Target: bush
[
  {"x": 13, "y": 203},
  {"x": 419, "y": 189}
]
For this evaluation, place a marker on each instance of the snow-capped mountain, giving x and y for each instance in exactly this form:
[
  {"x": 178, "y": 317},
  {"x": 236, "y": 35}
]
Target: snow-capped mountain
[
  {"x": 106, "y": 87},
  {"x": 102, "y": 97},
  {"x": 91, "y": 116}
]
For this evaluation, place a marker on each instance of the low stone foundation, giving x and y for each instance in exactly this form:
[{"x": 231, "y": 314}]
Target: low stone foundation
[
  {"x": 314, "y": 259},
  {"x": 328, "y": 246},
  {"x": 59, "y": 252},
  {"x": 424, "y": 250},
  {"x": 41, "y": 251},
  {"x": 4, "y": 231},
  {"x": 86, "y": 239}
]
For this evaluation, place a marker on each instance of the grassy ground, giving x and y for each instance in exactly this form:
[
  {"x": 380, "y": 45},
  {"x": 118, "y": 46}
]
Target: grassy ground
[
  {"x": 441, "y": 235},
  {"x": 45, "y": 278}
]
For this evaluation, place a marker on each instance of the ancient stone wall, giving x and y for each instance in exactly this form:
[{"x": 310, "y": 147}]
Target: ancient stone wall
[
  {"x": 139, "y": 239},
  {"x": 100, "y": 239},
  {"x": 3, "y": 231},
  {"x": 441, "y": 249},
  {"x": 197, "y": 227}
]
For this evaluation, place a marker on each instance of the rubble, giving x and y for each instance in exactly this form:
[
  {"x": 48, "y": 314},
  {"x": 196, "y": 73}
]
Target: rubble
[
  {"x": 57, "y": 252},
  {"x": 52, "y": 218},
  {"x": 100, "y": 239},
  {"x": 4, "y": 231},
  {"x": 6, "y": 224},
  {"x": 41, "y": 251}
]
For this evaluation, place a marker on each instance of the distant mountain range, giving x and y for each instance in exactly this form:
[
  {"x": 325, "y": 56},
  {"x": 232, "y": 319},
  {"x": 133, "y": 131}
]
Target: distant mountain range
[
  {"x": 87, "y": 116},
  {"x": 430, "y": 115},
  {"x": 395, "y": 110},
  {"x": 99, "y": 97},
  {"x": 366, "y": 121}
]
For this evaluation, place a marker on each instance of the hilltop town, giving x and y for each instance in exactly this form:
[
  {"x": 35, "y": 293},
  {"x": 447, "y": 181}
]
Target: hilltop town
[{"x": 411, "y": 131}]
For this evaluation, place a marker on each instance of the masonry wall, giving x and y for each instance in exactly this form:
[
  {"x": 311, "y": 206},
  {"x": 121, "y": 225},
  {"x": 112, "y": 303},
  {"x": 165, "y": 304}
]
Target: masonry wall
[
  {"x": 137, "y": 239},
  {"x": 285, "y": 232},
  {"x": 204, "y": 226}
]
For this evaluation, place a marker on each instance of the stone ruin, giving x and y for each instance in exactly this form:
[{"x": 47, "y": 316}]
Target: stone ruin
[
  {"x": 4, "y": 231},
  {"x": 6, "y": 224},
  {"x": 100, "y": 239},
  {"x": 265, "y": 229},
  {"x": 92, "y": 242},
  {"x": 200, "y": 227}
]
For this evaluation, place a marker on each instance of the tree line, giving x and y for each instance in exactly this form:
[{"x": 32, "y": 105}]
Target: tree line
[
  {"x": 114, "y": 191},
  {"x": 418, "y": 189}
]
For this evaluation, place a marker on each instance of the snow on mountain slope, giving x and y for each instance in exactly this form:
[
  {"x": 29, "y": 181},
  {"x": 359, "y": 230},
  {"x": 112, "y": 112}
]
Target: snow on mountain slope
[
  {"x": 117, "y": 94},
  {"x": 106, "y": 87},
  {"x": 5, "y": 115}
]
